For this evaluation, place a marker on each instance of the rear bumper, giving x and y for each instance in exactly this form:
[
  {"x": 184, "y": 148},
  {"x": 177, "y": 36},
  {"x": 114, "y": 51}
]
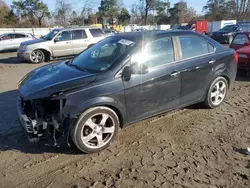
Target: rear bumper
[{"x": 244, "y": 65}]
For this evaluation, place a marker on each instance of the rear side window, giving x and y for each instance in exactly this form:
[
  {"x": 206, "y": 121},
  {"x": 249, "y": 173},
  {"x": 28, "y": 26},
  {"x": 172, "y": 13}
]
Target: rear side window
[
  {"x": 240, "y": 39},
  {"x": 19, "y": 36},
  {"x": 192, "y": 46},
  {"x": 245, "y": 28},
  {"x": 156, "y": 53},
  {"x": 78, "y": 34},
  {"x": 96, "y": 32}
]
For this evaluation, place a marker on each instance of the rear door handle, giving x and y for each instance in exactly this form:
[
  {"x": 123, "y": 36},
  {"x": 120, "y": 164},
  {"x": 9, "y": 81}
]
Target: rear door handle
[
  {"x": 175, "y": 73},
  {"x": 68, "y": 42},
  {"x": 212, "y": 61}
]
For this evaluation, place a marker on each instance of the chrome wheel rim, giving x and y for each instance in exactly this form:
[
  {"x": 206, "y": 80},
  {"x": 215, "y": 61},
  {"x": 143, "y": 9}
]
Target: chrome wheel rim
[
  {"x": 218, "y": 93},
  {"x": 36, "y": 56},
  {"x": 98, "y": 130}
]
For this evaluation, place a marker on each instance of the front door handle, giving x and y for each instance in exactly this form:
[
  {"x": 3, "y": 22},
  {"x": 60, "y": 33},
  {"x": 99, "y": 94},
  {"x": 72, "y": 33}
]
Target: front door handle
[
  {"x": 68, "y": 42},
  {"x": 212, "y": 61},
  {"x": 175, "y": 73}
]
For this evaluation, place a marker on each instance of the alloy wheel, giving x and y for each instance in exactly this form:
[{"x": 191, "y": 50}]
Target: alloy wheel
[
  {"x": 98, "y": 130},
  {"x": 218, "y": 93}
]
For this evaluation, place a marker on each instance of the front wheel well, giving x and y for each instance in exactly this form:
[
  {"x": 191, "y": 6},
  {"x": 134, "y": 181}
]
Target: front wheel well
[
  {"x": 118, "y": 113},
  {"x": 47, "y": 54}
]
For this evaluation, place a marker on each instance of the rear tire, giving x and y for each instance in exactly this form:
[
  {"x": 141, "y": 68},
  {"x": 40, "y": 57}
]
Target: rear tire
[
  {"x": 217, "y": 93},
  {"x": 37, "y": 56},
  {"x": 95, "y": 129}
]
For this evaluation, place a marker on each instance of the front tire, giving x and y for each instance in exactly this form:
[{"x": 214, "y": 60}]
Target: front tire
[
  {"x": 37, "y": 56},
  {"x": 216, "y": 93},
  {"x": 95, "y": 129}
]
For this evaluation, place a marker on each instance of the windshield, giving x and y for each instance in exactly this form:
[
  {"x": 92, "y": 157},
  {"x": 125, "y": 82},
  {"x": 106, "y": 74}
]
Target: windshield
[
  {"x": 51, "y": 34},
  {"x": 229, "y": 28},
  {"x": 102, "y": 55}
]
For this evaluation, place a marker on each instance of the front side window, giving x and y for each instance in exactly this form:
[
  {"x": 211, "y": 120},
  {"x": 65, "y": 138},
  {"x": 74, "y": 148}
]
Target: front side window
[
  {"x": 64, "y": 36},
  {"x": 156, "y": 53},
  {"x": 240, "y": 39},
  {"x": 96, "y": 32},
  {"x": 78, "y": 34},
  {"x": 192, "y": 46},
  {"x": 103, "y": 55}
]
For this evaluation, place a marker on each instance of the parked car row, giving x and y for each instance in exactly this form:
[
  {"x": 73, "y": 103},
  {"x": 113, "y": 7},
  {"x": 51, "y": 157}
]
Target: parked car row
[
  {"x": 120, "y": 80},
  {"x": 12, "y": 41}
]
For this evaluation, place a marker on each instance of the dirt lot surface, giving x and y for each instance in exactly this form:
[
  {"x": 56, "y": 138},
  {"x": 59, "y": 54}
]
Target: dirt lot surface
[{"x": 191, "y": 147}]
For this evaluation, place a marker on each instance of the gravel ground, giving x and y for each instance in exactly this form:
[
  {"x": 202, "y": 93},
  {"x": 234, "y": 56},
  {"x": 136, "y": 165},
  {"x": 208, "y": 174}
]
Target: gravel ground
[{"x": 191, "y": 147}]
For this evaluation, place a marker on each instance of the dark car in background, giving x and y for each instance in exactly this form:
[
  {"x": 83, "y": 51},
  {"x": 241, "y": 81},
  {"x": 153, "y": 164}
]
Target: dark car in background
[
  {"x": 121, "y": 80},
  {"x": 227, "y": 33}
]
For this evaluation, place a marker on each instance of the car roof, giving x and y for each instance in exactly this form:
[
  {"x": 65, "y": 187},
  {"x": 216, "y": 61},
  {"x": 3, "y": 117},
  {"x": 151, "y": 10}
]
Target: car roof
[
  {"x": 156, "y": 33},
  {"x": 76, "y": 27},
  {"x": 16, "y": 33}
]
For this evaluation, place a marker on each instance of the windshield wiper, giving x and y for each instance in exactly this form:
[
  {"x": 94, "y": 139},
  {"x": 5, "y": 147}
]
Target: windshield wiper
[{"x": 69, "y": 62}]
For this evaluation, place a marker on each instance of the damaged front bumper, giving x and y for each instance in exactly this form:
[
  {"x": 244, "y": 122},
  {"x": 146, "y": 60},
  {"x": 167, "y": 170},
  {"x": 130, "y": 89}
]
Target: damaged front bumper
[
  {"x": 26, "y": 123},
  {"x": 36, "y": 123}
]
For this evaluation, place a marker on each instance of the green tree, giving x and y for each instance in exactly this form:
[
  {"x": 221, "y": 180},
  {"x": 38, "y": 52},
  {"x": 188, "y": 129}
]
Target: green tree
[
  {"x": 108, "y": 8},
  {"x": 33, "y": 7},
  {"x": 11, "y": 19},
  {"x": 162, "y": 7},
  {"x": 124, "y": 17},
  {"x": 227, "y": 9}
]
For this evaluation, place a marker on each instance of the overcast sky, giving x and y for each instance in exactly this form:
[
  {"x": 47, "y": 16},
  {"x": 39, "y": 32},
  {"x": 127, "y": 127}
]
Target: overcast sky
[{"x": 196, "y": 4}]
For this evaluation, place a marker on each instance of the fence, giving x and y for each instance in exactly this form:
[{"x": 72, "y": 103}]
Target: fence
[{"x": 38, "y": 32}]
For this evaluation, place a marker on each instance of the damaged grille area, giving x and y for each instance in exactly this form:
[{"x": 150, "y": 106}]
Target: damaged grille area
[{"x": 45, "y": 117}]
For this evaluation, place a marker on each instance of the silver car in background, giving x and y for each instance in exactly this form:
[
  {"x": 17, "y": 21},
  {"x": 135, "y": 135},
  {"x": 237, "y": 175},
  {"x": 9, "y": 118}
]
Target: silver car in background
[
  {"x": 12, "y": 41},
  {"x": 59, "y": 43}
]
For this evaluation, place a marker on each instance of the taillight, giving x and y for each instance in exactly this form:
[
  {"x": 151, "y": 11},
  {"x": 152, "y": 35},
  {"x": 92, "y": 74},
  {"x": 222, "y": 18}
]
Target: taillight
[
  {"x": 236, "y": 57},
  {"x": 33, "y": 38}
]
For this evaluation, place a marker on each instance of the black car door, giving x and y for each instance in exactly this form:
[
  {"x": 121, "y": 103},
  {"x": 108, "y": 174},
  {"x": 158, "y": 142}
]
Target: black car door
[
  {"x": 159, "y": 89},
  {"x": 198, "y": 60}
]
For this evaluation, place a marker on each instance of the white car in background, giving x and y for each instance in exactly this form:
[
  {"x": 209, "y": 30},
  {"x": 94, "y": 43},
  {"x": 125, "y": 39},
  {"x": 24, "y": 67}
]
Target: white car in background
[{"x": 12, "y": 41}]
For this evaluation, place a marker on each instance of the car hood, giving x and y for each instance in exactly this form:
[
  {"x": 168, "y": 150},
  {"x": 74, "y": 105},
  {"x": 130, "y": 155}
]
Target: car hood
[
  {"x": 244, "y": 50},
  {"x": 47, "y": 80},
  {"x": 29, "y": 42}
]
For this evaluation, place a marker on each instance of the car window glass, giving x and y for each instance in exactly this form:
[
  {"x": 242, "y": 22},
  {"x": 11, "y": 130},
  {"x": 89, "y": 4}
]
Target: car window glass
[
  {"x": 64, "y": 36},
  {"x": 19, "y": 36},
  {"x": 12, "y": 36},
  {"x": 6, "y": 37},
  {"x": 193, "y": 46},
  {"x": 240, "y": 39},
  {"x": 210, "y": 48},
  {"x": 96, "y": 32},
  {"x": 78, "y": 34},
  {"x": 157, "y": 53}
]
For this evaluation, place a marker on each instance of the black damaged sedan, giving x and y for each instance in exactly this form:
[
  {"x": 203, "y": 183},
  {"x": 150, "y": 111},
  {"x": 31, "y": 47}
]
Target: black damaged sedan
[{"x": 121, "y": 80}]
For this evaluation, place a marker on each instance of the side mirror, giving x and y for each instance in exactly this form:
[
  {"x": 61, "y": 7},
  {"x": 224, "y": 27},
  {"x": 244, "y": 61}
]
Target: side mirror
[
  {"x": 126, "y": 73},
  {"x": 56, "y": 39}
]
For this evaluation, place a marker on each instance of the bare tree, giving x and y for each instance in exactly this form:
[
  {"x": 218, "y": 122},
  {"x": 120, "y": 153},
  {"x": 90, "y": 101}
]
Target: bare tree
[{"x": 63, "y": 12}]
